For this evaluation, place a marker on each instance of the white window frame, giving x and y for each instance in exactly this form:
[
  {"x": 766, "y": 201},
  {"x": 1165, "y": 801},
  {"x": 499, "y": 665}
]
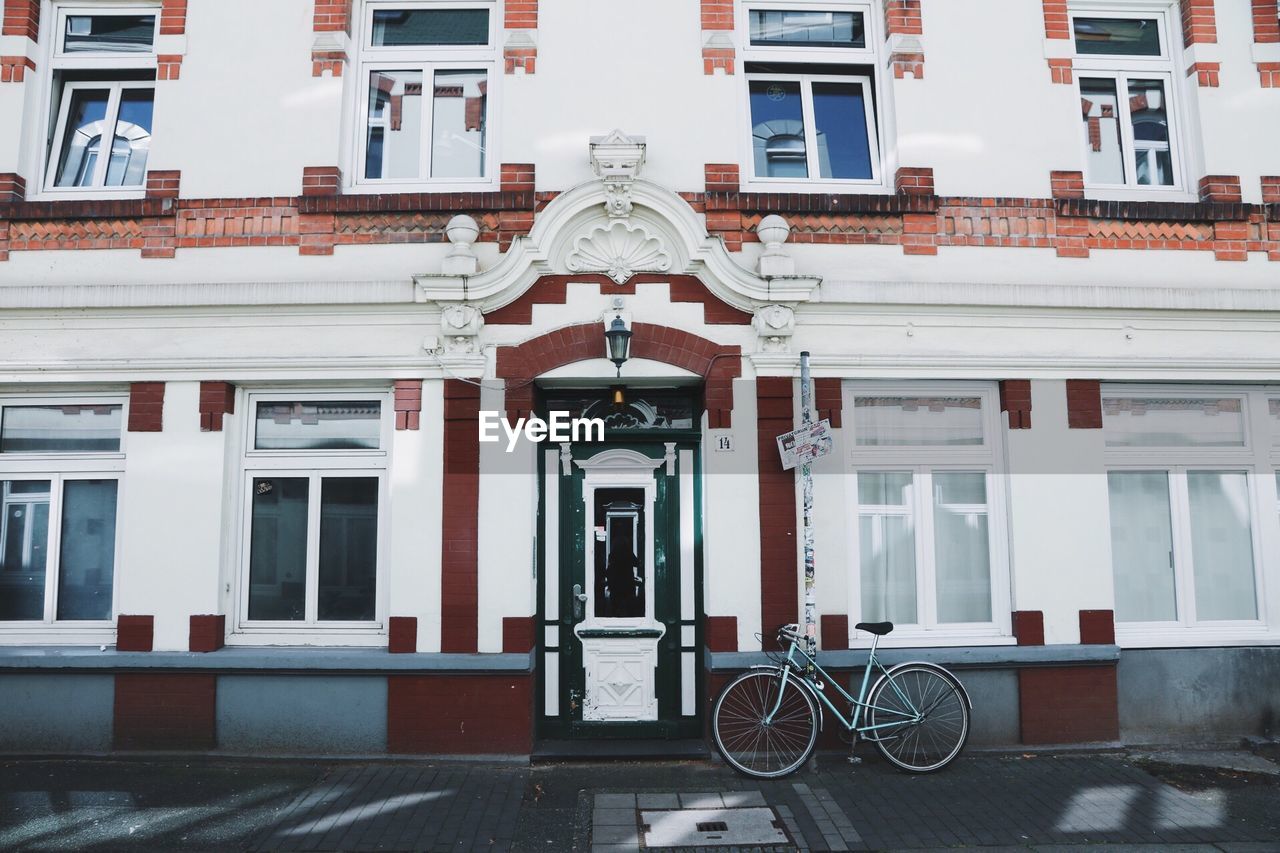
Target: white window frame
[
  {"x": 1164, "y": 67},
  {"x": 58, "y": 468},
  {"x": 47, "y": 135},
  {"x": 875, "y": 96},
  {"x": 316, "y": 466},
  {"x": 922, "y": 460},
  {"x": 1258, "y": 460},
  {"x": 427, "y": 59}
]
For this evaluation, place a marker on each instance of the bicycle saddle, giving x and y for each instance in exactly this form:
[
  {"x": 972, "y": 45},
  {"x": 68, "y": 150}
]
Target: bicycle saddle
[{"x": 877, "y": 628}]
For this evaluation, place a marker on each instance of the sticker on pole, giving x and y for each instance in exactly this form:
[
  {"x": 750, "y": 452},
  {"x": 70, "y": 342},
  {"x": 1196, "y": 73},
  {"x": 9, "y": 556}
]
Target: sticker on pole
[{"x": 802, "y": 446}]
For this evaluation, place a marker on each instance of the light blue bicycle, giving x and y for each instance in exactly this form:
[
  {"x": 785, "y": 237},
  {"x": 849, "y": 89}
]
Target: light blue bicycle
[{"x": 766, "y": 721}]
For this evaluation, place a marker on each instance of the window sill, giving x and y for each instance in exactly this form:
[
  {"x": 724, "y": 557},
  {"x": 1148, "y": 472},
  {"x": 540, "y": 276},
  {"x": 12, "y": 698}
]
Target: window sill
[
  {"x": 1192, "y": 637},
  {"x": 477, "y": 186},
  {"x": 131, "y": 194},
  {"x": 1138, "y": 193},
  {"x": 44, "y": 634},
  {"x": 310, "y": 636},
  {"x": 925, "y": 640},
  {"x": 756, "y": 185}
]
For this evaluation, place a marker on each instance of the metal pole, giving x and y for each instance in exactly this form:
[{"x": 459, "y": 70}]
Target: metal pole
[{"x": 806, "y": 482}]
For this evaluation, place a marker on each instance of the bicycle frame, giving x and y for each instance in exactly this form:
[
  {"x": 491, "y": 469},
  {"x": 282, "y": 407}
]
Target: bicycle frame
[{"x": 860, "y": 707}]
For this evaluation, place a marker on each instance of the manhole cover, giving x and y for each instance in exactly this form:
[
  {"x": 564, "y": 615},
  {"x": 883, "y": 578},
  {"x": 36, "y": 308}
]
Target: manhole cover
[{"x": 712, "y": 827}]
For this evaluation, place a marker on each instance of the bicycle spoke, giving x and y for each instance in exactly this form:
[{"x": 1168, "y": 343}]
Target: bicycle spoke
[
  {"x": 932, "y": 714},
  {"x": 755, "y": 739}
]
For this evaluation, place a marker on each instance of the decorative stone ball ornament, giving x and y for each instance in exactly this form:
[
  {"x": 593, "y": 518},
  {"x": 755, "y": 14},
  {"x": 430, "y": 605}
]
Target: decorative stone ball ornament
[
  {"x": 773, "y": 231},
  {"x": 462, "y": 232}
]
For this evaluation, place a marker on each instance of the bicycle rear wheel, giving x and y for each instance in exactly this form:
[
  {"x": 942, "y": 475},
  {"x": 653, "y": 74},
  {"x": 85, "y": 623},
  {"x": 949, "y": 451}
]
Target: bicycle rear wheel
[
  {"x": 764, "y": 749},
  {"x": 932, "y": 713}
]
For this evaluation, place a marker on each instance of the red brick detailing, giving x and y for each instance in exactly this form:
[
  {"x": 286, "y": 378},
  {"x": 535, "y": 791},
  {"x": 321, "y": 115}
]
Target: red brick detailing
[
  {"x": 460, "y": 714},
  {"x": 21, "y": 18},
  {"x": 775, "y": 414},
  {"x": 828, "y": 399},
  {"x": 13, "y": 187},
  {"x": 1206, "y": 73},
  {"x": 1067, "y": 184},
  {"x": 1028, "y": 627},
  {"x": 907, "y": 65},
  {"x": 1084, "y": 404},
  {"x": 321, "y": 180},
  {"x": 1056, "y": 24},
  {"x": 517, "y": 634},
  {"x": 1068, "y": 704},
  {"x": 718, "y": 59},
  {"x": 1097, "y": 627},
  {"x": 402, "y": 635},
  {"x": 13, "y": 69},
  {"x": 207, "y": 633},
  {"x": 1198, "y": 24},
  {"x": 1266, "y": 22},
  {"x": 1015, "y": 398},
  {"x": 719, "y": 364},
  {"x": 216, "y": 399},
  {"x": 332, "y": 16},
  {"x": 914, "y": 181},
  {"x": 1224, "y": 188},
  {"x": 459, "y": 585},
  {"x": 517, "y": 177},
  {"x": 165, "y": 711},
  {"x": 687, "y": 288},
  {"x": 1270, "y": 189},
  {"x": 835, "y": 632},
  {"x": 408, "y": 403},
  {"x": 520, "y": 14},
  {"x": 329, "y": 62},
  {"x": 520, "y": 59},
  {"x": 1269, "y": 75},
  {"x": 553, "y": 290},
  {"x": 1060, "y": 70},
  {"x": 720, "y": 633},
  {"x": 163, "y": 184},
  {"x": 717, "y": 14},
  {"x": 920, "y": 233},
  {"x": 902, "y": 17},
  {"x": 720, "y": 177},
  {"x": 168, "y": 66},
  {"x": 134, "y": 633},
  {"x": 173, "y": 17},
  {"x": 146, "y": 407}
]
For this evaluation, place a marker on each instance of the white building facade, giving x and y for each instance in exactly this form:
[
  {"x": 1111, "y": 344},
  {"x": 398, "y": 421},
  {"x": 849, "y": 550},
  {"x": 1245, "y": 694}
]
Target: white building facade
[{"x": 1032, "y": 246}]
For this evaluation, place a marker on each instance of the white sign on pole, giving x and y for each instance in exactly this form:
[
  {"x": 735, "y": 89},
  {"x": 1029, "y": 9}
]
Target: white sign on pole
[{"x": 802, "y": 446}]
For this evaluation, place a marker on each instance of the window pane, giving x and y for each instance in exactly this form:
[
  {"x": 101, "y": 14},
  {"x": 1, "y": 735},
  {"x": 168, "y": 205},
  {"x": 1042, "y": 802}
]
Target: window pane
[
  {"x": 24, "y": 545},
  {"x": 348, "y": 548},
  {"x": 458, "y": 117},
  {"x": 1142, "y": 546},
  {"x": 338, "y": 425},
  {"x": 82, "y": 137},
  {"x": 1173, "y": 422},
  {"x": 68, "y": 429},
  {"x": 1100, "y": 113},
  {"x": 1221, "y": 545},
  {"x": 87, "y": 552},
  {"x": 395, "y": 125},
  {"x": 109, "y": 33},
  {"x": 409, "y": 27},
  {"x": 921, "y": 421},
  {"x": 1118, "y": 36},
  {"x": 844, "y": 149},
  {"x": 887, "y": 547},
  {"x": 777, "y": 130},
  {"x": 961, "y": 547},
  {"x": 278, "y": 549},
  {"x": 1148, "y": 110},
  {"x": 128, "y": 166},
  {"x": 807, "y": 28}
]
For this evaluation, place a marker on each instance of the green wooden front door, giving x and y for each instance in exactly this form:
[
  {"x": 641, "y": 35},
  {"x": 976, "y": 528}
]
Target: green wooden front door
[{"x": 618, "y": 582}]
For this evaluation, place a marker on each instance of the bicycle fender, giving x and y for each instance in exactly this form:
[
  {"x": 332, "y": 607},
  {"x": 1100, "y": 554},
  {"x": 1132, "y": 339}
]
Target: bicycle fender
[
  {"x": 813, "y": 692},
  {"x": 933, "y": 666}
]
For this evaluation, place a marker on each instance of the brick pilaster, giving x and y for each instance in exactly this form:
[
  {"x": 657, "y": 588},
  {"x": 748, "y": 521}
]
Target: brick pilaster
[
  {"x": 163, "y": 184},
  {"x": 1084, "y": 404},
  {"x": 408, "y": 403},
  {"x": 779, "y": 601},
  {"x": 402, "y": 635},
  {"x": 13, "y": 69},
  {"x": 21, "y": 18},
  {"x": 459, "y": 595},
  {"x": 217, "y": 399},
  {"x": 902, "y": 18},
  {"x": 146, "y": 407},
  {"x": 1015, "y": 398},
  {"x": 135, "y": 633},
  {"x": 520, "y": 52},
  {"x": 13, "y": 187},
  {"x": 718, "y": 51},
  {"x": 1266, "y": 31},
  {"x": 206, "y": 633}
]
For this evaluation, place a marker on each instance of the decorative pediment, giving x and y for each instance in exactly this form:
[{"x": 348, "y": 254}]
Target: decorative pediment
[{"x": 619, "y": 250}]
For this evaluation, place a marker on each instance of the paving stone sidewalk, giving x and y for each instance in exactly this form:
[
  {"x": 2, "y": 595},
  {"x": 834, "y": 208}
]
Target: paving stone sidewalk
[{"x": 1059, "y": 803}]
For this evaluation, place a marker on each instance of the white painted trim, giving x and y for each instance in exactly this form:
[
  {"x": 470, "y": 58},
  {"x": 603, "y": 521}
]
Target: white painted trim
[{"x": 686, "y": 538}]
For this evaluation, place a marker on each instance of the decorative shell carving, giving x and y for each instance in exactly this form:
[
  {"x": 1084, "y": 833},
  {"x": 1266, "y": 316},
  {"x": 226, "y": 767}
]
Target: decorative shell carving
[{"x": 619, "y": 250}]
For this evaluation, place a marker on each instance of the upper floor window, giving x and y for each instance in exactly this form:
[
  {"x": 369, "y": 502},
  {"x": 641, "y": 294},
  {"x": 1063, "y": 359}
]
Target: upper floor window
[
  {"x": 926, "y": 483},
  {"x": 1188, "y": 470},
  {"x": 428, "y": 69},
  {"x": 60, "y": 467},
  {"x": 1125, "y": 67},
  {"x": 811, "y": 92},
  {"x": 103, "y": 98},
  {"x": 314, "y": 501}
]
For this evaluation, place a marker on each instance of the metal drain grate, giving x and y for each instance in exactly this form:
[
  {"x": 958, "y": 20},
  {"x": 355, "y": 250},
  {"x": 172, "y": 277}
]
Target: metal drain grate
[{"x": 712, "y": 828}]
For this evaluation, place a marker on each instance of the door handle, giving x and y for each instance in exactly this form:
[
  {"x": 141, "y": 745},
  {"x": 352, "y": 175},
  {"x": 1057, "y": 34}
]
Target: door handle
[{"x": 579, "y": 598}]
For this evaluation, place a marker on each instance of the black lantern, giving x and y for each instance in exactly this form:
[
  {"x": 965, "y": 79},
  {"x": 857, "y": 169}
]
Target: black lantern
[{"x": 618, "y": 341}]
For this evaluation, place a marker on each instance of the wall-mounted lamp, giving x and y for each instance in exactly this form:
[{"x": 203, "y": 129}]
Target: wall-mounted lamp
[{"x": 618, "y": 342}]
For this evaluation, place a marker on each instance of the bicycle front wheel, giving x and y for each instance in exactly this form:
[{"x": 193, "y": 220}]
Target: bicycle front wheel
[
  {"x": 755, "y": 740},
  {"x": 919, "y": 717}
]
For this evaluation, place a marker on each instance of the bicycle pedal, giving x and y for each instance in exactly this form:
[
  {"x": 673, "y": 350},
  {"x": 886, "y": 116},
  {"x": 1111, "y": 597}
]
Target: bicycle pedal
[{"x": 855, "y": 759}]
